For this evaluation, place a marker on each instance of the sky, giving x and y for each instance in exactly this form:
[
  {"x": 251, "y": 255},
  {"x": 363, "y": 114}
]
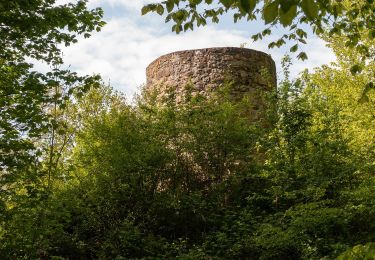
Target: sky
[{"x": 129, "y": 42}]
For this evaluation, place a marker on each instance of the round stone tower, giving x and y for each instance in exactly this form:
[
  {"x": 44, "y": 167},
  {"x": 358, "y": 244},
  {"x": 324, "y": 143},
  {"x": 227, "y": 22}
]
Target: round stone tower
[{"x": 251, "y": 72}]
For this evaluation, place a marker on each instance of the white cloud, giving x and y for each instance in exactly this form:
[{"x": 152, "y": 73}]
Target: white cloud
[
  {"x": 129, "y": 4},
  {"x": 127, "y": 44},
  {"x": 122, "y": 51},
  {"x": 132, "y": 4}
]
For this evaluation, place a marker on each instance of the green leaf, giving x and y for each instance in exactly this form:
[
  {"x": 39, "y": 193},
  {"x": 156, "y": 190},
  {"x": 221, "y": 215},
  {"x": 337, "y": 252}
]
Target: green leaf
[
  {"x": 270, "y": 11},
  {"x": 248, "y": 5},
  {"x": 227, "y": 3},
  {"x": 287, "y": 4},
  {"x": 195, "y": 2},
  {"x": 356, "y": 68},
  {"x": 160, "y": 10},
  {"x": 294, "y": 48},
  {"x": 302, "y": 56},
  {"x": 145, "y": 9},
  {"x": 287, "y": 18},
  {"x": 301, "y": 33},
  {"x": 188, "y": 26},
  {"x": 310, "y": 8},
  {"x": 363, "y": 99},
  {"x": 266, "y": 32},
  {"x": 271, "y": 45},
  {"x": 170, "y": 6}
]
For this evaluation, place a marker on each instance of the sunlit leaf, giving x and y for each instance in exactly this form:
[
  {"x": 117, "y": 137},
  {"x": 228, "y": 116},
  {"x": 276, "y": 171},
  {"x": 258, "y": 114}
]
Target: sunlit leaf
[
  {"x": 287, "y": 18},
  {"x": 310, "y": 8},
  {"x": 270, "y": 11}
]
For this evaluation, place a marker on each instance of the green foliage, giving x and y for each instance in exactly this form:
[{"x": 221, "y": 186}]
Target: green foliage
[
  {"x": 35, "y": 28},
  {"x": 32, "y": 127},
  {"x": 192, "y": 178},
  {"x": 28, "y": 99},
  {"x": 352, "y": 19},
  {"x": 359, "y": 252}
]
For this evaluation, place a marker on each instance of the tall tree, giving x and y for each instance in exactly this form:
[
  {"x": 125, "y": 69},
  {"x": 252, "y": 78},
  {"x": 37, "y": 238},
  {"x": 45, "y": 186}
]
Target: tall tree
[{"x": 36, "y": 30}]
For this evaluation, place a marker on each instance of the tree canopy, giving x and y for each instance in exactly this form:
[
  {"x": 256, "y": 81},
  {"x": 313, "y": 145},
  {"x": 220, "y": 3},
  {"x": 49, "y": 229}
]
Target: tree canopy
[
  {"x": 35, "y": 30},
  {"x": 195, "y": 179},
  {"x": 352, "y": 19}
]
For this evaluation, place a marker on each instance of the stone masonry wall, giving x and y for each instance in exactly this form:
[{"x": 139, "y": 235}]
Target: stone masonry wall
[{"x": 251, "y": 71}]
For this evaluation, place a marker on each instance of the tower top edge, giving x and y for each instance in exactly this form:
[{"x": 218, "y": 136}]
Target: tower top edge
[{"x": 233, "y": 50}]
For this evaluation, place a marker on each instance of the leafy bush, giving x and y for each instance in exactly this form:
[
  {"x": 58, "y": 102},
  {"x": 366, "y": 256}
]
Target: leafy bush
[{"x": 194, "y": 178}]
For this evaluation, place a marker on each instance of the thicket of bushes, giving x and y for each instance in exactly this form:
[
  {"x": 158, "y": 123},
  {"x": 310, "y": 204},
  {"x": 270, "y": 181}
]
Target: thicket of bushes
[{"x": 197, "y": 180}]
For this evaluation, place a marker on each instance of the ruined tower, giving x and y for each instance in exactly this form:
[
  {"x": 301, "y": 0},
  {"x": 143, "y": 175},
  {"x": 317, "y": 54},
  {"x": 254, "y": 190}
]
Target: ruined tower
[{"x": 252, "y": 72}]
